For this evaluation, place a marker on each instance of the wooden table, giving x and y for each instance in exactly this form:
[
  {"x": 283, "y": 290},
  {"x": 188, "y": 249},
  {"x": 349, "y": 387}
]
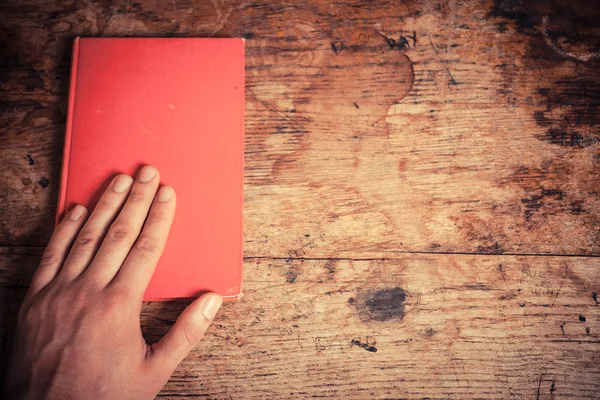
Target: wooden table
[{"x": 422, "y": 216}]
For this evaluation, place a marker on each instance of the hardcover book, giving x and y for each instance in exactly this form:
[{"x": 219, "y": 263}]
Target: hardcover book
[{"x": 176, "y": 104}]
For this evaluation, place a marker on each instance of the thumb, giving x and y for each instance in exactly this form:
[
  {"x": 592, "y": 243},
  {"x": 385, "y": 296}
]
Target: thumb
[{"x": 186, "y": 333}]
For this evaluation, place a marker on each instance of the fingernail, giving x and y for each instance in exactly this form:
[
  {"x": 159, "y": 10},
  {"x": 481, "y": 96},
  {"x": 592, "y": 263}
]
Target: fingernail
[
  {"x": 77, "y": 212},
  {"x": 211, "y": 305},
  {"x": 147, "y": 173},
  {"x": 122, "y": 183},
  {"x": 165, "y": 193}
]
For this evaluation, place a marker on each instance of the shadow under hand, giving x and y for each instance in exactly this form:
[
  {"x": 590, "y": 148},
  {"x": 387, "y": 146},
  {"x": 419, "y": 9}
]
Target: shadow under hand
[
  {"x": 17, "y": 265},
  {"x": 159, "y": 316}
]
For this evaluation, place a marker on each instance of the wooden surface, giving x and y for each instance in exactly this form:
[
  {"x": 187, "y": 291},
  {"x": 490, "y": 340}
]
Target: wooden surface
[{"x": 422, "y": 216}]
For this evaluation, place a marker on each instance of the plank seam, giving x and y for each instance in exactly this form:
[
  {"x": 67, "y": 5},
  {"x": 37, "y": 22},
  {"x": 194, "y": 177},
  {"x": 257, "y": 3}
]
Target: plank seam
[{"x": 379, "y": 258}]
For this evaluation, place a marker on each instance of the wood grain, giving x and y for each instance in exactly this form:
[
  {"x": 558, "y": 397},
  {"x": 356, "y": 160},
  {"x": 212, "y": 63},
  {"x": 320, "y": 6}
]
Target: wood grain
[
  {"x": 382, "y": 138},
  {"x": 421, "y": 326},
  {"x": 373, "y": 128}
]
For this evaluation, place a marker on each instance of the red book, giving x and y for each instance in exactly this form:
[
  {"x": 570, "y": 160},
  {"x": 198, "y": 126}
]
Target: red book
[{"x": 177, "y": 104}]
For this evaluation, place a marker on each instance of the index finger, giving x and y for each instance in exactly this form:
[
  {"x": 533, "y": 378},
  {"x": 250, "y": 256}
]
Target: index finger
[{"x": 136, "y": 271}]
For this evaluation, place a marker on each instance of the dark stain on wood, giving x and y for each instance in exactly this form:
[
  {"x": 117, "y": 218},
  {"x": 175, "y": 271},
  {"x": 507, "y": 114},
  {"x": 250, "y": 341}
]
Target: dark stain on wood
[
  {"x": 577, "y": 207},
  {"x": 535, "y": 202},
  {"x": 581, "y": 318},
  {"x": 509, "y": 296},
  {"x": 41, "y": 112},
  {"x": 562, "y": 46},
  {"x": 23, "y": 115},
  {"x": 534, "y": 180},
  {"x": 292, "y": 274},
  {"x": 331, "y": 269},
  {"x": 43, "y": 182},
  {"x": 481, "y": 234},
  {"x": 33, "y": 80},
  {"x": 381, "y": 305},
  {"x": 400, "y": 44},
  {"x": 30, "y": 160},
  {"x": 574, "y": 20},
  {"x": 495, "y": 248},
  {"x": 337, "y": 47},
  {"x": 513, "y": 10},
  {"x": 477, "y": 286},
  {"x": 572, "y": 113},
  {"x": 366, "y": 346}
]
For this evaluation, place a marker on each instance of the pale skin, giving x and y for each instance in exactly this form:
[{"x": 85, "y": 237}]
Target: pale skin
[{"x": 78, "y": 331}]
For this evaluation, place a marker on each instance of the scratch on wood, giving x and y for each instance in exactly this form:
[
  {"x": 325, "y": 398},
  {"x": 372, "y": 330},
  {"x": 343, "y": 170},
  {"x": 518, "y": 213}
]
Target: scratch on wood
[
  {"x": 584, "y": 57},
  {"x": 562, "y": 282}
]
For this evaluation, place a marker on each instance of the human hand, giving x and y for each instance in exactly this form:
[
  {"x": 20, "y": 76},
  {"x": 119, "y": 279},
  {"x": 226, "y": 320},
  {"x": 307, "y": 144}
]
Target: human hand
[{"x": 78, "y": 331}]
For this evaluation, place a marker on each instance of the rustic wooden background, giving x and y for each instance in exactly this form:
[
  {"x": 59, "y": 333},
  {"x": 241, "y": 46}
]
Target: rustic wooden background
[{"x": 422, "y": 216}]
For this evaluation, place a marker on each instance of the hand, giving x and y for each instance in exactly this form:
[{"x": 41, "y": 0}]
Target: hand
[{"x": 78, "y": 330}]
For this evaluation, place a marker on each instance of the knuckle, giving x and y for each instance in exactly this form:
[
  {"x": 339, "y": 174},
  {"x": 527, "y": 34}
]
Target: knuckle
[
  {"x": 84, "y": 292},
  {"x": 87, "y": 238},
  {"x": 191, "y": 334},
  {"x": 88, "y": 287},
  {"x": 50, "y": 258},
  {"x": 115, "y": 301},
  {"x": 120, "y": 296},
  {"x": 147, "y": 245},
  {"x": 137, "y": 195},
  {"x": 105, "y": 205},
  {"x": 158, "y": 216},
  {"x": 120, "y": 231}
]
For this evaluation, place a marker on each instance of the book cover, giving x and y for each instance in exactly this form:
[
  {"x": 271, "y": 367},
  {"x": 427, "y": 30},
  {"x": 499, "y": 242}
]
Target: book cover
[{"x": 177, "y": 104}]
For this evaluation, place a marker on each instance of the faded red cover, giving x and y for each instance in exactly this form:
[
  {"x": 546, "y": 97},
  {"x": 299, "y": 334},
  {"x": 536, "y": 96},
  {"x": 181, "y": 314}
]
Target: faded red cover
[{"x": 177, "y": 104}]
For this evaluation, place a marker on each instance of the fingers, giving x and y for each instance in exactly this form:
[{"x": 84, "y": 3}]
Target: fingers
[
  {"x": 124, "y": 231},
  {"x": 190, "y": 327},
  {"x": 93, "y": 231},
  {"x": 58, "y": 248},
  {"x": 139, "y": 266}
]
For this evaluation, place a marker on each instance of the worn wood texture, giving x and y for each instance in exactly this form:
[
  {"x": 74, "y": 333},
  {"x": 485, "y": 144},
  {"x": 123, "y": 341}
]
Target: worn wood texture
[
  {"x": 420, "y": 326},
  {"x": 377, "y": 134},
  {"x": 373, "y": 128}
]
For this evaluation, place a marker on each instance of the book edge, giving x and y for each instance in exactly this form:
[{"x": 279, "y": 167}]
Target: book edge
[
  {"x": 243, "y": 129},
  {"x": 225, "y": 298},
  {"x": 64, "y": 175}
]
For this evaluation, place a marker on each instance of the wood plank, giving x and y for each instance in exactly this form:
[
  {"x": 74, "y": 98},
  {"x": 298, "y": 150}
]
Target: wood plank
[
  {"x": 420, "y": 326},
  {"x": 30, "y": 155},
  {"x": 372, "y": 128}
]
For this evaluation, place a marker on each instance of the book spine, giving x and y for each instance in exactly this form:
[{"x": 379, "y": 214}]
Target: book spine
[
  {"x": 64, "y": 175},
  {"x": 243, "y": 86}
]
